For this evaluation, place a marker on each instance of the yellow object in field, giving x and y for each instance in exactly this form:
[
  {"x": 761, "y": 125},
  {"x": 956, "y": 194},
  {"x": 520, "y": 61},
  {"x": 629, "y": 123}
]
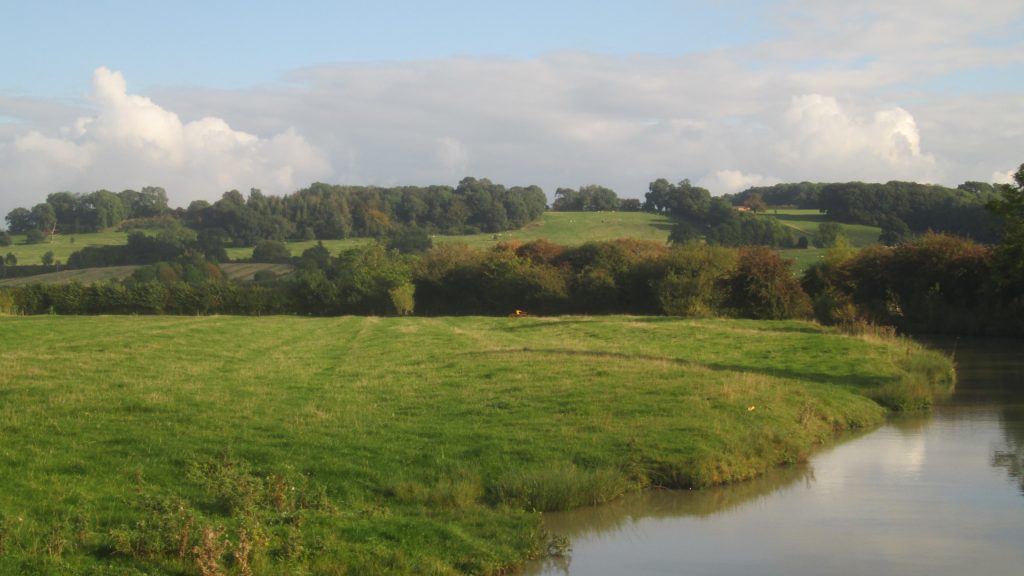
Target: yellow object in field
[
  {"x": 751, "y": 408},
  {"x": 518, "y": 314}
]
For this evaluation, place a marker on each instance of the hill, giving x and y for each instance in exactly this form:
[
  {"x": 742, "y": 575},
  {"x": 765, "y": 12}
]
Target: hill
[
  {"x": 566, "y": 228},
  {"x": 805, "y": 223}
]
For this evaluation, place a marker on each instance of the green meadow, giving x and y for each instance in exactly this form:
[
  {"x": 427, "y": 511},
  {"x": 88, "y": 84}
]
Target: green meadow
[
  {"x": 565, "y": 228},
  {"x": 364, "y": 445},
  {"x": 61, "y": 245},
  {"x": 805, "y": 223}
]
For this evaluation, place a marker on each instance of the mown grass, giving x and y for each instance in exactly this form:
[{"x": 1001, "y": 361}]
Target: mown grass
[{"x": 174, "y": 445}]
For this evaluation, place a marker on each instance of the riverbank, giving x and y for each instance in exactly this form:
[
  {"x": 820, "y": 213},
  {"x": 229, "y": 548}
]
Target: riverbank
[{"x": 391, "y": 445}]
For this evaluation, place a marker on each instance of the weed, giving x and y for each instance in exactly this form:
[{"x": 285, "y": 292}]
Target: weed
[
  {"x": 243, "y": 553},
  {"x": 164, "y": 529},
  {"x": 210, "y": 551}
]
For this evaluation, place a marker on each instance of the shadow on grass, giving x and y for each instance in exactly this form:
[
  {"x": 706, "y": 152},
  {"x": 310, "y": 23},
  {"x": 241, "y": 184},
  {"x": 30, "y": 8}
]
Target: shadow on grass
[
  {"x": 866, "y": 382},
  {"x": 801, "y": 217}
]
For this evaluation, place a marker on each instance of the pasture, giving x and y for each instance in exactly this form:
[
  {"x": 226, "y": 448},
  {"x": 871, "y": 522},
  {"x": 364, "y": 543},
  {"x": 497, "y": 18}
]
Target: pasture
[{"x": 363, "y": 445}]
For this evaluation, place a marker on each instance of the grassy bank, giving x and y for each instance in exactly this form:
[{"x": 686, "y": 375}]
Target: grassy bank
[{"x": 386, "y": 445}]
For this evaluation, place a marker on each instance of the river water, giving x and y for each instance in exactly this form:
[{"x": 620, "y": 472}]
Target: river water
[{"x": 942, "y": 495}]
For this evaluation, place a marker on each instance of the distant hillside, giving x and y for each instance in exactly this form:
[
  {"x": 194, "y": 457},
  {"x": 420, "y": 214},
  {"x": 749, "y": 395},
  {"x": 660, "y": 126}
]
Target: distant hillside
[
  {"x": 566, "y": 228},
  {"x": 234, "y": 271},
  {"x": 806, "y": 222}
]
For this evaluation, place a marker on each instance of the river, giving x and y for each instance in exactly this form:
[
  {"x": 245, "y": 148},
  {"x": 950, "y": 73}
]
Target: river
[{"x": 942, "y": 495}]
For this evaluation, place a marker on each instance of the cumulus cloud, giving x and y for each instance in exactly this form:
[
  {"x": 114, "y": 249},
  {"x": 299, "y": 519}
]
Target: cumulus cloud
[
  {"x": 822, "y": 139},
  {"x": 732, "y": 181},
  {"x": 839, "y": 91},
  {"x": 1003, "y": 177},
  {"x": 129, "y": 141}
]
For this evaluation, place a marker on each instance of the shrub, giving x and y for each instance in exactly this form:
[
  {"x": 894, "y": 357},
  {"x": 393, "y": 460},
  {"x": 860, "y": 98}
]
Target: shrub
[
  {"x": 763, "y": 287},
  {"x": 694, "y": 278},
  {"x": 271, "y": 251},
  {"x": 35, "y": 236}
]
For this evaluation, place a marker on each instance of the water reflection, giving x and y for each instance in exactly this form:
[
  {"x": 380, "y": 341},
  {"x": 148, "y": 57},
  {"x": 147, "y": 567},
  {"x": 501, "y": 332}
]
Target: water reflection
[
  {"x": 1011, "y": 457},
  {"x": 991, "y": 372},
  {"x": 918, "y": 496},
  {"x": 628, "y": 511}
]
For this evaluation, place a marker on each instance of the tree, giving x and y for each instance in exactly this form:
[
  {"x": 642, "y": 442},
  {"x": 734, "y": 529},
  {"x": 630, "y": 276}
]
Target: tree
[
  {"x": 11, "y": 260},
  {"x": 5, "y": 238},
  {"x": 755, "y": 202},
  {"x": 47, "y": 258},
  {"x": 629, "y": 205},
  {"x": 825, "y": 236},
  {"x": 1009, "y": 254},
  {"x": 763, "y": 287},
  {"x": 20, "y": 221},
  {"x": 35, "y": 236},
  {"x": 894, "y": 231},
  {"x": 45, "y": 217},
  {"x": 271, "y": 251},
  {"x": 409, "y": 240}
]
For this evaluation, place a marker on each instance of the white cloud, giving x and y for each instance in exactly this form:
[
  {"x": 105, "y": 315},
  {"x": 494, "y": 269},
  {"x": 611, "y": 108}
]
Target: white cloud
[
  {"x": 823, "y": 140},
  {"x": 1003, "y": 177},
  {"x": 129, "y": 141},
  {"x": 842, "y": 91},
  {"x": 452, "y": 156},
  {"x": 731, "y": 181}
]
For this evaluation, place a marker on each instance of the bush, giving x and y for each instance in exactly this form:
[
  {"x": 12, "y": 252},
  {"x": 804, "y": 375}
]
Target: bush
[
  {"x": 825, "y": 236},
  {"x": 763, "y": 287},
  {"x": 35, "y": 237},
  {"x": 694, "y": 279},
  {"x": 271, "y": 251}
]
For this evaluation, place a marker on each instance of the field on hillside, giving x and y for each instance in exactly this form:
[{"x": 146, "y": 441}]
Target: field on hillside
[
  {"x": 62, "y": 246},
  {"x": 157, "y": 445},
  {"x": 567, "y": 228},
  {"x": 805, "y": 222}
]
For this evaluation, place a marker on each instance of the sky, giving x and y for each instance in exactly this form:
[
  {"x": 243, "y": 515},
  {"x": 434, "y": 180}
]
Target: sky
[{"x": 205, "y": 97}]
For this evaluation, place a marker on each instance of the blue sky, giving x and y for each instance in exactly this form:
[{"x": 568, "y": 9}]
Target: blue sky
[
  {"x": 235, "y": 44},
  {"x": 203, "y": 97}
]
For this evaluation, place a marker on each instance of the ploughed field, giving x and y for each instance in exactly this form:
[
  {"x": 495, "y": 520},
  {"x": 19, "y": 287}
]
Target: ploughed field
[{"x": 277, "y": 445}]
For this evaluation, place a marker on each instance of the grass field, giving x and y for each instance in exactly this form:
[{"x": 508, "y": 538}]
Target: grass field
[
  {"x": 805, "y": 223},
  {"x": 566, "y": 228},
  {"x": 62, "y": 246},
  {"x": 203, "y": 445}
]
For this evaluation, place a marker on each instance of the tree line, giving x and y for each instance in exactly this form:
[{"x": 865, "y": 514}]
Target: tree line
[
  {"x": 321, "y": 211},
  {"x": 539, "y": 277},
  {"x": 937, "y": 283},
  {"x": 898, "y": 208}
]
